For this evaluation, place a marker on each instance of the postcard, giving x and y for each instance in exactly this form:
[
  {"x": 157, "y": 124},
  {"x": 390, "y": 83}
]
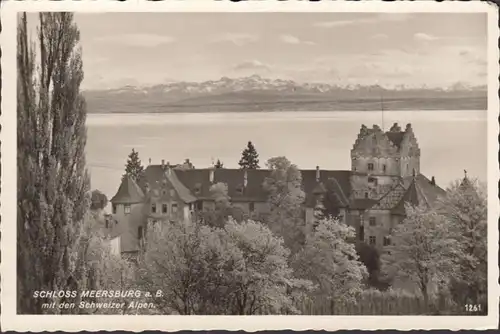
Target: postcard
[{"x": 203, "y": 165}]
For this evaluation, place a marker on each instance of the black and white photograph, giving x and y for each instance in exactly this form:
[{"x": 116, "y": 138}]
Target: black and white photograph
[{"x": 248, "y": 163}]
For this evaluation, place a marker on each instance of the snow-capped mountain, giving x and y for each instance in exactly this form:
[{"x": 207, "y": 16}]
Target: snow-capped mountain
[{"x": 255, "y": 90}]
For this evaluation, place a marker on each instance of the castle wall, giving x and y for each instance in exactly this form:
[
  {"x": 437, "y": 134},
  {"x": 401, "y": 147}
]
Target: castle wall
[{"x": 382, "y": 228}]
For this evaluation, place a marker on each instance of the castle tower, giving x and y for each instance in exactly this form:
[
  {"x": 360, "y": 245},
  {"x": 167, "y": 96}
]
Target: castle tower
[
  {"x": 128, "y": 211},
  {"x": 380, "y": 159}
]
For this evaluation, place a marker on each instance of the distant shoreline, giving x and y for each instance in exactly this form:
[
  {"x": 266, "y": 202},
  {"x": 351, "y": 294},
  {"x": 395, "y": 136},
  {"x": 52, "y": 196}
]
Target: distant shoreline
[{"x": 413, "y": 104}]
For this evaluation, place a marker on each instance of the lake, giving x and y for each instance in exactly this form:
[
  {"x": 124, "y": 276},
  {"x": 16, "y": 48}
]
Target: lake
[{"x": 450, "y": 141}]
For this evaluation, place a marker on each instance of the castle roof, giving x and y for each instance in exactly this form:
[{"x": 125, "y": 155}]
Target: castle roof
[
  {"x": 395, "y": 137},
  {"x": 195, "y": 184},
  {"x": 128, "y": 192}
]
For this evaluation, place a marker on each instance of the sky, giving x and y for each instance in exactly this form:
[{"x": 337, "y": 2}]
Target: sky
[{"x": 420, "y": 49}]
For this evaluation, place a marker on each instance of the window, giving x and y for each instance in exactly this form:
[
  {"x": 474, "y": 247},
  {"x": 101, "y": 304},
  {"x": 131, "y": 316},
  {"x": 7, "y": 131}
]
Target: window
[
  {"x": 372, "y": 240},
  {"x": 387, "y": 241},
  {"x": 153, "y": 208},
  {"x": 361, "y": 233},
  {"x": 107, "y": 223},
  {"x": 199, "y": 205},
  {"x": 164, "y": 208},
  {"x": 174, "y": 207},
  {"x": 370, "y": 166},
  {"x": 127, "y": 209},
  {"x": 172, "y": 192},
  {"x": 114, "y": 209},
  {"x": 373, "y": 180},
  {"x": 239, "y": 189},
  {"x": 251, "y": 206},
  {"x": 164, "y": 192},
  {"x": 366, "y": 195},
  {"x": 139, "y": 232},
  {"x": 373, "y": 221},
  {"x": 384, "y": 168}
]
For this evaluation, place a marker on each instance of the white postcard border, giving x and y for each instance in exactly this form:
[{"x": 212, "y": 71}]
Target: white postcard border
[{"x": 11, "y": 321}]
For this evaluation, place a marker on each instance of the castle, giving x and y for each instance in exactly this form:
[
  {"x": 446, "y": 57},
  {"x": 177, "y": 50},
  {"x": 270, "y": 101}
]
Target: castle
[{"x": 385, "y": 174}]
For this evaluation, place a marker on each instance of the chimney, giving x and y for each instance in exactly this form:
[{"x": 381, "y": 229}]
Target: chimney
[
  {"x": 245, "y": 178},
  {"x": 211, "y": 175},
  {"x": 162, "y": 163},
  {"x": 167, "y": 167},
  {"x": 150, "y": 161},
  {"x": 317, "y": 174},
  {"x": 433, "y": 181},
  {"x": 408, "y": 127}
]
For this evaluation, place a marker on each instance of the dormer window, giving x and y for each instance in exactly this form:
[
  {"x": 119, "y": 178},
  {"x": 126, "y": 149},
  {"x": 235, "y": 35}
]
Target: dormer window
[
  {"x": 370, "y": 167},
  {"x": 239, "y": 189},
  {"x": 197, "y": 188}
]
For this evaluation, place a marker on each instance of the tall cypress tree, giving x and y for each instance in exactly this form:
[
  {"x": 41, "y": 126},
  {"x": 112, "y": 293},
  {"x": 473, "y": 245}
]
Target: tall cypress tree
[
  {"x": 53, "y": 185},
  {"x": 249, "y": 157},
  {"x": 134, "y": 166}
]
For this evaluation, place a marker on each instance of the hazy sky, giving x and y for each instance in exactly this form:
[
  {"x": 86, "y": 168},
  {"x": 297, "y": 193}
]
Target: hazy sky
[{"x": 390, "y": 49}]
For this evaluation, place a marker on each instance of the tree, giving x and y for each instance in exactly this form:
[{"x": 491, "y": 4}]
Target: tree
[
  {"x": 219, "y": 164},
  {"x": 134, "y": 166},
  {"x": 96, "y": 267},
  {"x": 422, "y": 251},
  {"x": 264, "y": 282},
  {"x": 241, "y": 269},
  {"x": 330, "y": 261},
  {"x": 53, "y": 186},
  {"x": 285, "y": 198},
  {"x": 465, "y": 210},
  {"x": 98, "y": 200},
  {"x": 218, "y": 216},
  {"x": 249, "y": 157}
]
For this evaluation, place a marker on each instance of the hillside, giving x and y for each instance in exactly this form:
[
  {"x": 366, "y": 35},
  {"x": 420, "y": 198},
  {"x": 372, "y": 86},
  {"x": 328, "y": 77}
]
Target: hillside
[{"x": 258, "y": 94}]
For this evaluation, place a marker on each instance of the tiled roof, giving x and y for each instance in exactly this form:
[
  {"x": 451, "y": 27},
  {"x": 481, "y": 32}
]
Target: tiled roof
[
  {"x": 420, "y": 191},
  {"x": 197, "y": 182},
  {"x": 128, "y": 192},
  {"x": 391, "y": 198},
  {"x": 395, "y": 137},
  {"x": 362, "y": 203},
  {"x": 181, "y": 190}
]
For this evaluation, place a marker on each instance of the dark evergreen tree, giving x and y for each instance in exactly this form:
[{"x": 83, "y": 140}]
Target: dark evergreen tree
[
  {"x": 134, "y": 166},
  {"x": 53, "y": 185},
  {"x": 219, "y": 164},
  {"x": 249, "y": 157}
]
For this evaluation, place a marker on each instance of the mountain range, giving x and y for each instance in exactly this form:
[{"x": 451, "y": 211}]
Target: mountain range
[{"x": 255, "y": 93}]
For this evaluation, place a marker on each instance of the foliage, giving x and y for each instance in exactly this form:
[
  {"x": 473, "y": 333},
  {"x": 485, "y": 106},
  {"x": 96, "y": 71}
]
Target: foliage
[
  {"x": 465, "y": 210},
  {"x": 221, "y": 211},
  {"x": 370, "y": 257},
  {"x": 240, "y": 269},
  {"x": 219, "y": 164},
  {"x": 422, "y": 252},
  {"x": 285, "y": 199},
  {"x": 331, "y": 262},
  {"x": 98, "y": 200},
  {"x": 134, "y": 166},
  {"x": 53, "y": 186},
  {"x": 96, "y": 267},
  {"x": 249, "y": 157},
  {"x": 373, "y": 302}
]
